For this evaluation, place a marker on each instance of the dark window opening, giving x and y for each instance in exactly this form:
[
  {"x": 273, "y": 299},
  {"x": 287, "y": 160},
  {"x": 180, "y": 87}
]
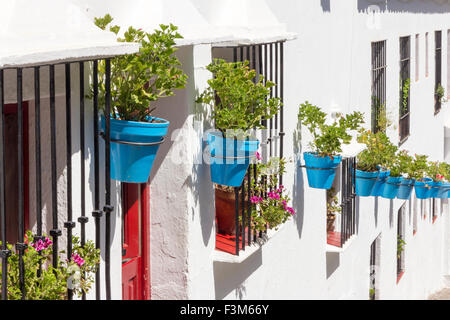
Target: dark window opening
[
  {"x": 405, "y": 86},
  {"x": 378, "y": 99}
]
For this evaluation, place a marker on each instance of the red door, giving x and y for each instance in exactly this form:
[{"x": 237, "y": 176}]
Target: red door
[
  {"x": 135, "y": 242},
  {"x": 11, "y": 169}
]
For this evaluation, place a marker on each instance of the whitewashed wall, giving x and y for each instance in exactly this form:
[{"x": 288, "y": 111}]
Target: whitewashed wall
[{"x": 329, "y": 64}]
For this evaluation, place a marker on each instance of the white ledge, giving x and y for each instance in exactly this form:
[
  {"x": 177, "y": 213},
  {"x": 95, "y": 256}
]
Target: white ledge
[
  {"x": 330, "y": 248},
  {"x": 220, "y": 256}
]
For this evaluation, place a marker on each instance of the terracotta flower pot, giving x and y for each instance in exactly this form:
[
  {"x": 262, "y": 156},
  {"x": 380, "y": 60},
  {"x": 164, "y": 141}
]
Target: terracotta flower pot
[
  {"x": 225, "y": 211},
  {"x": 330, "y": 223}
]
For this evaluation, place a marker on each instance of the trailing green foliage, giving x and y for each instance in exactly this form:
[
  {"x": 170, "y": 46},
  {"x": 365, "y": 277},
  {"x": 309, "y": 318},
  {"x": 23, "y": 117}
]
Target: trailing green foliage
[
  {"x": 328, "y": 138},
  {"x": 45, "y": 282},
  {"x": 379, "y": 150},
  {"x": 138, "y": 80},
  {"x": 405, "y": 95},
  {"x": 239, "y": 98},
  {"x": 440, "y": 93}
]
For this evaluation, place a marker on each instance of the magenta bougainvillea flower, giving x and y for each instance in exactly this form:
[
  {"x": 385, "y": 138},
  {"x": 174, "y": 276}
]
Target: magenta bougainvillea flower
[
  {"x": 77, "y": 259},
  {"x": 41, "y": 245}
]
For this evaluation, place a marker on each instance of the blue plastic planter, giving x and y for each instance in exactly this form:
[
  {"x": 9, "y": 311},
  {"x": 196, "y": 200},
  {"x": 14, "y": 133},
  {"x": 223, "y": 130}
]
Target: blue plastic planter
[
  {"x": 443, "y": 190},
  {"x": 423, "y": 188},
  {"x": 130, "y": 162},
  {"x": 391, "y": 186},
  {"x": 230, "y": 159},
  {"x": 365, "y": 182},
  {"x": 405, "y": 190},
  {"x": 320, "y": 170},
  {"x": 435, "y": 187},
  {"x": 381, "y": 180}
]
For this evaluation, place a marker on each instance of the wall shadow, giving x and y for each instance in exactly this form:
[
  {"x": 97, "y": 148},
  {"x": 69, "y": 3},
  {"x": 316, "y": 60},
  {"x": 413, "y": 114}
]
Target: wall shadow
[
  {"x": 333, "y": 262},
  {"x": 232, "y": 276},
  {"x": 325, "y": 4},
  {"x": 298, "y": 193}
]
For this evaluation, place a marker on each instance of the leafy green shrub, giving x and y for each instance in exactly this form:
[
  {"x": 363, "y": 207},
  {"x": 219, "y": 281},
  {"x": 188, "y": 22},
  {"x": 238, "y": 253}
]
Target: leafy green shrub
[
  {"x": 272, "y": 210},
  {"x": 405, "y": 95},
  {"x": 379, "y": 150},
  {"x": 42, "y": 280},
  {"x": 138, "y": 80},
  {"x": 239, "y": 101},
  {"x": 419, "y": 167},
  {"x": 440, "y": 93},
  {"x": 328, "y": 138}
]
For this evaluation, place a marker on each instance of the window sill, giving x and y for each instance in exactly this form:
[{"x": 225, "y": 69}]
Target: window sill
[
  {"x": 225, "y": 257},
  {"x": 399, "y": 276},
  {"x": 336, "y": 249}
]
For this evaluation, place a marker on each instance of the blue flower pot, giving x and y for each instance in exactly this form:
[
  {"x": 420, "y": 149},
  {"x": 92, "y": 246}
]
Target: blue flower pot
[
  {"x": 230, "y": 159},
  {"x": 130, "y": 162},
  {"x": 391, "y": 186},
  {"x": 405, "y": 189},
  {"x": 365, "y": 182},
  {"x": 435, "y": 187},
  {"x": 320, "y": 170},
  {"x": 443, "y": 190},
  {"x": 379, "y": 184},
  {"x": 423, "y": 188}
]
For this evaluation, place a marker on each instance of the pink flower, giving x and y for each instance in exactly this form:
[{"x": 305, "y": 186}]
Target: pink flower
[
  {"x": 273, "y": 195},
  {"x": 258, "y": 156},
  {"x": 77, "y": 259},
  {"x": 290, "y": 210}
]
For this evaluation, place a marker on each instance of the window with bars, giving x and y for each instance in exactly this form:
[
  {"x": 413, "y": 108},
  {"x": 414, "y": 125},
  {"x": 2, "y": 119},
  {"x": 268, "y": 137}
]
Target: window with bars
[
  {"x": 74, "y": 97},
  {"x": 405, "y": 86},
  {"x": 378, "y": 99},
  {"x": 267, "y": 60},
  {"x": 345, "y": 223},
  {"x": 438, "y": 69},
  {"x": 401, "y": 242}
]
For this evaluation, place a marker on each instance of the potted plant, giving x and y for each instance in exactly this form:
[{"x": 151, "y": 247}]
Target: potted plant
[
  {"x": 137, "y": 81},
  {"x": 444, "y": 169},
  {"x": 422, "y": 185},
  {"x": 322, "y": 161},
  {"x": 434, "y": 172},
  {"x": 407, "y": 168},
  {"x": 269, "y": 200},
  {"x": 225, "y": 204},
  {"x": 371, "y": 162},
  {"x": 239, "y": 103},
  {"x": 333, "y": 208},
  {"x": 440, "y": 93},
  {"x": 43, "y": 281},
  {"x": 392, "y": 184}
]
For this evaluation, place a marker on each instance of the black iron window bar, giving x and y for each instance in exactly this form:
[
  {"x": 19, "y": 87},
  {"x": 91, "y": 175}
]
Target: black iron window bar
[
  {"x": 378, "y": 99},
  {"x": 405, "y": 62},
  {"x": 55, "y": 232},
  {"x": 267, "y": 60},
  {"x": 348, "y": 196},
  {"x": 438, "y": 68},
  {"x": 400, "y": 237}
]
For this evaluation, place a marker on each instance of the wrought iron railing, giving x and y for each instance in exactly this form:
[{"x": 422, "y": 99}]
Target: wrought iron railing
[
  {"x": 55, "y": 232},
  {"x": 267, "y": 59}
]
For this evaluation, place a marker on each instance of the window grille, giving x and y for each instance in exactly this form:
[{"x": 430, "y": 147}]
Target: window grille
[
  {"x": 55, "y": 232},
  {"x": 378, "y": 100},
  {"x": 438, "y": 68},
  {"x": 405, "y": 88},
  {"x": 267, "y": 60},
  {"x": 400, "y": 241}
]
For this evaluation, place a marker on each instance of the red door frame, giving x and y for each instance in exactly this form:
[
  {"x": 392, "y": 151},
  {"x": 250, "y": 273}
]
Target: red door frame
[
  {"x": 12, "y": 108},
  {"x": 133, "y": 253}
]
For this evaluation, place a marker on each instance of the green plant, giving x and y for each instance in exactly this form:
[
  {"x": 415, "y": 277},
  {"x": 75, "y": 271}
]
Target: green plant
[
  {"x": 435, "y": 171},
  {"x": 138, "y": 80},
  {"x": 239, "y": 98},
  {"x": 406, "y": 164},
  {"x": 405, "y": 95},
  {"x": 379, "y": 150},
  {"x": 381, "y": 118},
  {"x": 42, "y": 280},
  {"x": 419, "y": 167},
  {"x": 273, "y": 210},
  {"x": 333, "y": 208},
  {"x": 400, "y": 246},
  {"x": 440, "y": 93},
  {"x": 328, "y": 138}
]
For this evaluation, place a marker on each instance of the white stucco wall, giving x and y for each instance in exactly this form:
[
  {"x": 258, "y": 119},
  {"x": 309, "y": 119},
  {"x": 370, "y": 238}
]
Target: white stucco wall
[{"x": 329, "y": 64}]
